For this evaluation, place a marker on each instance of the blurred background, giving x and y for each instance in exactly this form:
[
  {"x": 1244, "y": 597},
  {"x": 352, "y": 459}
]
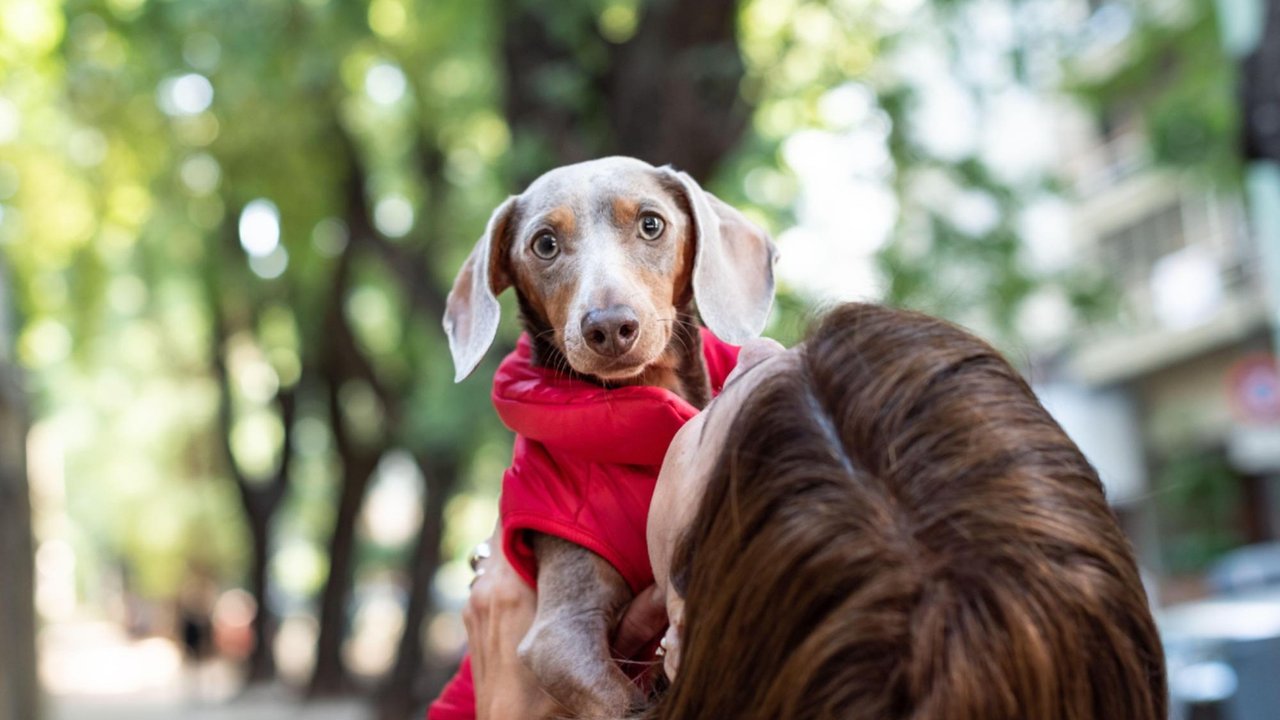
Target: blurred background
[{"x": 236, "y": 479}]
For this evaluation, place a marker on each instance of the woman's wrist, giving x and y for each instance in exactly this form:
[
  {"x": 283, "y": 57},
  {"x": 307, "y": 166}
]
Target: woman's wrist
[{"x": 517, "y": 704}]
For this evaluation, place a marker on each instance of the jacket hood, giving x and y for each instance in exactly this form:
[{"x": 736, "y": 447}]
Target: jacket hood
[{"x": 630, "y": 425}]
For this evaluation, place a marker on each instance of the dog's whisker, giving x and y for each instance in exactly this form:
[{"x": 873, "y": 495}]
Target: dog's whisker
[
  {"x": 676, "y": 336},
  {"x": 637, "y": 663}
]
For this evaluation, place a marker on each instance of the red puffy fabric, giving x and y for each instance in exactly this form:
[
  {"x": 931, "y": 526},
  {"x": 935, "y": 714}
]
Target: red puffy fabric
[
  {"x": 458, "y": 699},
  {"x": 585, "y": 463}
]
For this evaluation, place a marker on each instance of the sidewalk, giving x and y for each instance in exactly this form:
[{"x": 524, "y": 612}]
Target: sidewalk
[
  {"x": 93, "y": 671},
  {"x": 265, "y": 705}
]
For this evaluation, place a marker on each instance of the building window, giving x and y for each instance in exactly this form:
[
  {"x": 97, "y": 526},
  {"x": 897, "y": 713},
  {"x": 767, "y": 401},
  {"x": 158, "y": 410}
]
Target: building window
[
  {"x": 1133, "y": 249},
  {"x": 1121, "y": 143}
]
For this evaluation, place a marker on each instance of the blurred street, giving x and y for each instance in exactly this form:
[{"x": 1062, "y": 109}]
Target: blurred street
[
  {"x": 92, "y": 671},
  {"x": 255, "y": 707}
]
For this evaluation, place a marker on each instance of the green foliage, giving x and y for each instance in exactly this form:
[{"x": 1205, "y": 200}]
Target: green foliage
[
  {"x": 1182, "y": 88},
  {"x": 122, "y": 235},
  {"x": 1199, "y": 497}
]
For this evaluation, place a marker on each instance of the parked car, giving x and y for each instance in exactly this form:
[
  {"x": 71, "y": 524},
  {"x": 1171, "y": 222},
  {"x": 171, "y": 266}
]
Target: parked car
[
  {"x": 1248, "y": 569},
  {"x": 1224, "y": 652}
]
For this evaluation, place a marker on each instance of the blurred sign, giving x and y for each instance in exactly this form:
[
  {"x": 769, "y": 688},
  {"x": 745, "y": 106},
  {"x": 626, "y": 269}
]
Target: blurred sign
[
  {"x": 1254, "y": 387},
  {"x": 1253, "y": 383}
]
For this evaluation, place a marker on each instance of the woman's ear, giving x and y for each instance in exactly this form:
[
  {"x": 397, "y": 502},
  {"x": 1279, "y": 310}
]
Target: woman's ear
[
  {"x": 732, "y": 267},
  {"x": 472, "y": 311}
]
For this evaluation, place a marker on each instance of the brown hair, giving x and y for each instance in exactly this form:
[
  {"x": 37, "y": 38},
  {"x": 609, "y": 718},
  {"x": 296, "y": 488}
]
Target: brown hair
[{"x": 897, "y": 529}]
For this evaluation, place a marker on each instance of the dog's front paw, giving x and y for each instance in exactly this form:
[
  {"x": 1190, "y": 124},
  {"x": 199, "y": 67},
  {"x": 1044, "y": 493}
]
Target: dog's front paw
[
  {"x": 587, "y": 685},
  {"x": 625, "y": 701}
]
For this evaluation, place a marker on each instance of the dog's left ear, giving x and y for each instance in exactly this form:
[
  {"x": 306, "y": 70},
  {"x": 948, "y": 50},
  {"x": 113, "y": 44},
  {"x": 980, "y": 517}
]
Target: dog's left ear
[
  {"x": 472, "y": 311},
  {"x": 732, "y": 266}
]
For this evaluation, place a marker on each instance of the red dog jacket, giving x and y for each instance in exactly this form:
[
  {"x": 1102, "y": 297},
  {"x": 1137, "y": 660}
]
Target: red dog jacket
[{"x": 584, "y": 466}]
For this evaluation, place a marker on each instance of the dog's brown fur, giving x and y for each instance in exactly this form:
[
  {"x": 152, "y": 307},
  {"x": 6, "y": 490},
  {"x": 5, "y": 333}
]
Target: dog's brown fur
[
  {"x": 593, "y": 211},
  {"x": 580, "y": 596}
]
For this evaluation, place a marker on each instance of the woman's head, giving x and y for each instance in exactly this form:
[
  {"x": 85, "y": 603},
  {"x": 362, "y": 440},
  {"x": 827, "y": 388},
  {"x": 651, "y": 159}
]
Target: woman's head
[{"x": 891, "y": 526}]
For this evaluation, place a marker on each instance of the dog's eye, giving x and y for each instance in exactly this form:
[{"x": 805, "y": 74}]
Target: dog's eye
[
  {"x": 546, "y": 246},
  {"x": 651, "y": 226}
]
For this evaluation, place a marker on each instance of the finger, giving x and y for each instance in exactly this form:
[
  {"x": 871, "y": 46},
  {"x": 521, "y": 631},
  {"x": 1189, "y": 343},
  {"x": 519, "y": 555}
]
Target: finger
[
  {"x": 477, "y": 608},
  {"x": 752, "y": 353},
  {"x": 480, "y": 597},
  {"x": 643, "y": 622}
]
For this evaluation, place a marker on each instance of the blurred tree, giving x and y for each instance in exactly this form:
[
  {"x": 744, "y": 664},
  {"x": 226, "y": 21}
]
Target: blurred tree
[
  {"x": 660, "y": 84},
  {"x": 1199, "y": 496},
  {"x": 960, "y": 248},
  {"x": 173, "y": 167},
  {"x": 260, "y": 497},
  {"x": 19, "y": 689},
  {"x": 1172, "y": 73}
]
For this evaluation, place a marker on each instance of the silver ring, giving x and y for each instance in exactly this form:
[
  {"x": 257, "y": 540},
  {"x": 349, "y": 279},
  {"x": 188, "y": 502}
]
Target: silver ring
[{"x": 482, "y": 551}]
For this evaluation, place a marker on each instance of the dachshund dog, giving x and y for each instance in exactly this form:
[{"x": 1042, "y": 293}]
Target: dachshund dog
[{"x": 609, "y": 259}]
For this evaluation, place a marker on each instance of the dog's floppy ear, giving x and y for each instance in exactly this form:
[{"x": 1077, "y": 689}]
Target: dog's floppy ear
[
  {"x": 732, "y": 266},
  {"x": 471, "y": 313}
]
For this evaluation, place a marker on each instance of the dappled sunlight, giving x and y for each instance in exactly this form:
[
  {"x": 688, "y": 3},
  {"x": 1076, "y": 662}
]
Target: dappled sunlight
[
  {"x": 393, "y": 215},
  {"x": 189, "y": 94},
  {"x": 375, "y": 630},
  {"x": 228, "y": 231},
  {"x": 384, "y": 83},
  {"x": 83, "y": 658},
  {"x": 393, "y": 509},
  {"x": 295, "y": 647}
]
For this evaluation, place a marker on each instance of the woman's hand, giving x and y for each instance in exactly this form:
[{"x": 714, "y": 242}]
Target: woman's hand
[{"x": 498, "y": 614}]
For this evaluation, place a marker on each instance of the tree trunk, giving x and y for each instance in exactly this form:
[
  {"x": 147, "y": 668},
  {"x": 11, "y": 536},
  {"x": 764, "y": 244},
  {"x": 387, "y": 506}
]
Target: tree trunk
[
  {"x": 343, "y": 362},
  {"x": 669, "y": 94},
  {"x": 258, "y": 500},
  {"x": 410, "y": 683},
  {"x": 673, "y": 88},
  {"x": 262, "y": 664},
  {"x": 330, "y": 676},
  {"x": 260, "y": 503},
  {"x": 19, "y": 687},
  {"x": 408, "y": 686}
]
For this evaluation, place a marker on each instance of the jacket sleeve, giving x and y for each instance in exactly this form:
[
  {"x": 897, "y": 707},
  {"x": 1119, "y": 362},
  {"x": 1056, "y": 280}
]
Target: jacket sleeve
[{"x": 458, "y": 699}]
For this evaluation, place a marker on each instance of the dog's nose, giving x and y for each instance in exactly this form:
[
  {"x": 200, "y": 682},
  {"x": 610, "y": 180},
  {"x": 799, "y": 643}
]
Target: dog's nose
[{"x": 610, "y": 331}]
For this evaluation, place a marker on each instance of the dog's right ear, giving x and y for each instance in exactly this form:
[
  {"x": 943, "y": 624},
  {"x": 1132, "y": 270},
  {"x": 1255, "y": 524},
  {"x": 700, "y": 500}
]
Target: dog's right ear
[
  {"x": 732, "y": 267},
  {"x": 472, "y": 311}
]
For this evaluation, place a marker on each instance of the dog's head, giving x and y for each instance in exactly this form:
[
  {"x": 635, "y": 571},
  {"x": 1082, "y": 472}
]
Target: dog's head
[{"x": 605, "y": 253}]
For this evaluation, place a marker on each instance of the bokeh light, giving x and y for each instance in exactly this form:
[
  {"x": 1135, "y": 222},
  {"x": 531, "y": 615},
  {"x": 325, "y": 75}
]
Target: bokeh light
[
  {"x": 271, "y": 265},
  {"x": 189, "y": 94},
  {"x": 385, "y": 83},
  {"x": 394, "y": 216},
  {"x": 260, "y": 228}
]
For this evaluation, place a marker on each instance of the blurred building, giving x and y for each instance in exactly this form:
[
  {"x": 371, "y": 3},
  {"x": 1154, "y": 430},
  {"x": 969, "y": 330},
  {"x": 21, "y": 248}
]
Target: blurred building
[{"x": 1176, "y": 401}]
